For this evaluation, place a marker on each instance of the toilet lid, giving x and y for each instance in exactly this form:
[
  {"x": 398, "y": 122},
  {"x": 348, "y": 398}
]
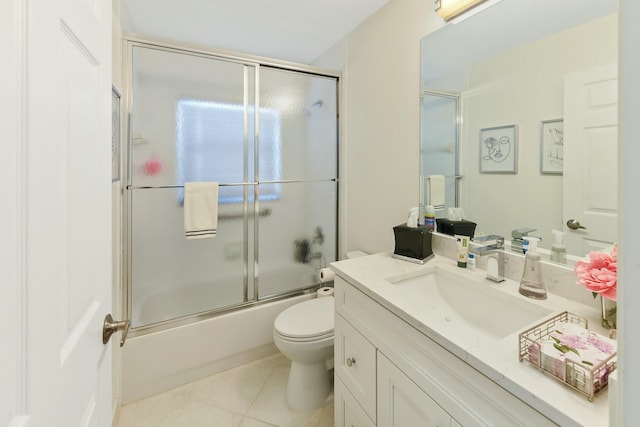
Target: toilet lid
[{"x": 306, "y": 319}]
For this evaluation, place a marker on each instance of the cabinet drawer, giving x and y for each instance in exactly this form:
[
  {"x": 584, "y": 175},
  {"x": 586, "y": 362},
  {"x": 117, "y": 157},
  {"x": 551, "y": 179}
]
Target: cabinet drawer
[
  {"x": 355, "y": 364},
  {"x": 348, "y": 413}
]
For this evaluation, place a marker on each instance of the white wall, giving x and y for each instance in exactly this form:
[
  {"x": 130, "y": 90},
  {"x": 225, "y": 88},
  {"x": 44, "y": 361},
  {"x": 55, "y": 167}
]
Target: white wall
[
  {"x": 13, "y": 302},
  {"x": 380, "y": 117},
  {"x": 629, "y": 207},
  {"x": 524, "y": 86}
]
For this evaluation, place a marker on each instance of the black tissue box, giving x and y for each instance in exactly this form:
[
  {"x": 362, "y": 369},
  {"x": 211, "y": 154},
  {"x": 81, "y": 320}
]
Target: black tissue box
[
  {"x": 462, "y": 228},
  {"x": 412, "y": 243}
]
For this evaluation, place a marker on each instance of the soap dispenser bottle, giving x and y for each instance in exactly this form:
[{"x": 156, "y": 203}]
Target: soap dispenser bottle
[
  {"x": 558, "y": 250},
  {"x": 532, "y": 283}
]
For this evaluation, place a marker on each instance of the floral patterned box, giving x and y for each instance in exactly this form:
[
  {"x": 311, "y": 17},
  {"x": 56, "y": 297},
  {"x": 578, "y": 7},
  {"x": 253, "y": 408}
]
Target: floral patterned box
[{"x": 566, "y": 349}]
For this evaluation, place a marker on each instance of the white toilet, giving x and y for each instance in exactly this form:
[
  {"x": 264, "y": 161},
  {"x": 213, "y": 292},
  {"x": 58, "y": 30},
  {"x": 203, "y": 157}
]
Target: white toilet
[{"x": 304, "y": 333}]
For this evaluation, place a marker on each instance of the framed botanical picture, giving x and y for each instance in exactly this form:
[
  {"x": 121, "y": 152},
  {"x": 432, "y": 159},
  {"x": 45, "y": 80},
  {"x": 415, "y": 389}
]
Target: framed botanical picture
[
  {"x": 551, "y": 147},
  {"x": 115, "y": 135},
  {"x": 499, "y": 149}
]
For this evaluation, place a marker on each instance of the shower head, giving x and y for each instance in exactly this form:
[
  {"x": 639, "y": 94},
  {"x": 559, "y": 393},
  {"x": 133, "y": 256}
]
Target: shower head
[{"x": 318, "y": 104}]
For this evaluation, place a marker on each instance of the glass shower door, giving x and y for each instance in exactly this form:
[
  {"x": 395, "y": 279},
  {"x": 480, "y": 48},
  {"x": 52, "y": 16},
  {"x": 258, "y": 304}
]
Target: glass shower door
[
  {"x": 439, "y": 130},
  {"x": 192, "y": 120},
  {"x": 299, "y": 173}
]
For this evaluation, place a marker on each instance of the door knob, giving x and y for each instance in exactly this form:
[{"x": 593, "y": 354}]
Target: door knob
[
  {"x": 575, "y": 225},
  {"x": 110, "y": 327}
]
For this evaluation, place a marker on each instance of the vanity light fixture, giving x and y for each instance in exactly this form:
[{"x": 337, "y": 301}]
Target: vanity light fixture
[{"x": 449, "y": 9}]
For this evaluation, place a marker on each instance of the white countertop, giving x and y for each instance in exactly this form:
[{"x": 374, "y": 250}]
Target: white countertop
[{"x": 498, "y": 360}]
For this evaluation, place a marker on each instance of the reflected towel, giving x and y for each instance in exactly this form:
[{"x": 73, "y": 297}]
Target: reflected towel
[
  {"x": 200, "y": 209},
  {"x": 435, "y": 191}
]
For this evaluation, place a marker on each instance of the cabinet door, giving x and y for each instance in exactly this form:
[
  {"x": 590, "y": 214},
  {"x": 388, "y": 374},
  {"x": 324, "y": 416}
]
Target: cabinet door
[
  {"x": 348, "y": 413},
  {"x": 355, "y": 364},
  {"x": 402, "y": 403}
]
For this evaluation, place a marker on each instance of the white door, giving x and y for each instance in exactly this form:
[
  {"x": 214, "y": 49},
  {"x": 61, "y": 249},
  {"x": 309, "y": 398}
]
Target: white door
[
  {"x": 591, "y": 158},
  {"x": 60, "y": 204}
]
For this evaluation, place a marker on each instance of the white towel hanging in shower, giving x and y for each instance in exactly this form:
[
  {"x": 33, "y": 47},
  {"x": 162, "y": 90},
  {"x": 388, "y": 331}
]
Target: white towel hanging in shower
[
  {"x": 435, "y": 191},
  {"x": 200, "y": 209}
]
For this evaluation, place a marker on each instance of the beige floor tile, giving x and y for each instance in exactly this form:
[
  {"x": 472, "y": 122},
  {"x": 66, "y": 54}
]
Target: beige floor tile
[
  {"x": 251, "y": 395},
  {"x": 236, "y": 388},
  {"x": 250, "y": 422},
  {"x": 194, "y": 413},
  {"x": 151, "y": 411},
  {"x": 327, "y": 417},
  {"x": 271, "y": 407}
]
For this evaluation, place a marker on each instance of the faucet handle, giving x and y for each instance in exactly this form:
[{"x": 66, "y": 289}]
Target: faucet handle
[
  {"x": 521, "y": 232},
  {"x": 495, "y": 242}
]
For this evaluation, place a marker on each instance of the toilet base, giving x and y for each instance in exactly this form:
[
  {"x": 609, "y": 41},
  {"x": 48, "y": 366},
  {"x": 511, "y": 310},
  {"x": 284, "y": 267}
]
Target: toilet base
[{"x": 309, "y": 385}]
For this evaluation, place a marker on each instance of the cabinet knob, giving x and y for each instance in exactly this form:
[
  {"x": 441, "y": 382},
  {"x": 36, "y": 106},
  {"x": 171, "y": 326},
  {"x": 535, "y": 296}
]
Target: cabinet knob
[{"x": 351, "y": 361}]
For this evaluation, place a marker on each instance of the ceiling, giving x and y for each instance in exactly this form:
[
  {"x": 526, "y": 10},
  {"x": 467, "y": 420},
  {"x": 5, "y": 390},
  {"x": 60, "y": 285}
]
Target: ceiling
[{"x": 291, "y": 30}]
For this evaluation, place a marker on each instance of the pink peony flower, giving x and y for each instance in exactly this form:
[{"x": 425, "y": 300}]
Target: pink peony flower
[{"x": 600, "y": 273}]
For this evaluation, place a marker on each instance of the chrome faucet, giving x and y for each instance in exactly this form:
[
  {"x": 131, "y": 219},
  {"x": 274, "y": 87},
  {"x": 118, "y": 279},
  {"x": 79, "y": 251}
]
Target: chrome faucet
[
  {"x": 517, "y": 238},
  {"x": 496, "y": 259}
]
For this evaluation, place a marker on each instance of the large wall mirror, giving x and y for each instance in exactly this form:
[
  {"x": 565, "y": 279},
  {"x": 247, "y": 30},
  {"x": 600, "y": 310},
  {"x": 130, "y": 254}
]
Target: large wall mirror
[{"x": 536, "y": 138}]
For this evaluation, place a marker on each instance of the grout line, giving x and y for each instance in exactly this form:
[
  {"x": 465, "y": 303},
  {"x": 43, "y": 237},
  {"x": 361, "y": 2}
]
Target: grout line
[
  {"x": 257, "y": 420},
  {"x": 262, "y": 388}
]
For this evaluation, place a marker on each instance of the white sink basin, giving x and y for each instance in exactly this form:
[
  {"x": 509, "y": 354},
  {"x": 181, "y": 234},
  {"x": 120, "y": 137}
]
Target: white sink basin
[{"x": 456, "y": 304}]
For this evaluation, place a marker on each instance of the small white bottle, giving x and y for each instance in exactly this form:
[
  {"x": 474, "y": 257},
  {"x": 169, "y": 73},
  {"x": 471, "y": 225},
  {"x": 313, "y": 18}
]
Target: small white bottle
[
  {"x": 430, "y": 217},
  {"x": 471, "y": 262}
]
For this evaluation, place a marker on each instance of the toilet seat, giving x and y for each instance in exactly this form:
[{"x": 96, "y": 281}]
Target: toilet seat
[
  {"x": 307, "y": 321},
  {"x": 304, "y": 339}
]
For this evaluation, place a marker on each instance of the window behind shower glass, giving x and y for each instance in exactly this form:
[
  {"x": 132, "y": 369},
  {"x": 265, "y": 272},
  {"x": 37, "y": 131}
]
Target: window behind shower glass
[{"x": 210, "y": 147}]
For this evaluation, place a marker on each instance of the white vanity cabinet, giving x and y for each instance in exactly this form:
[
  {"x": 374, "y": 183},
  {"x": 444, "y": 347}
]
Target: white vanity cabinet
[{"x": 388, "y": 373}]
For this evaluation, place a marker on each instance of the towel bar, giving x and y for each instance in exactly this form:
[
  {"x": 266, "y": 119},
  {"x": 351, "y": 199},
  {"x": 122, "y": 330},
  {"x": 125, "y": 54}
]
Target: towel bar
[{"x": 261, "y": 212}]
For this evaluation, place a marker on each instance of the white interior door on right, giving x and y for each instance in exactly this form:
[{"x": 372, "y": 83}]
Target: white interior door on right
[{"x": 590, "y": 212}]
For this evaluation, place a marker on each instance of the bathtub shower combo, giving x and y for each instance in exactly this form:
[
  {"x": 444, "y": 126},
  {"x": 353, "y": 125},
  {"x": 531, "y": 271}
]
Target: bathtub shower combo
[{"x": 268, "y": 134}]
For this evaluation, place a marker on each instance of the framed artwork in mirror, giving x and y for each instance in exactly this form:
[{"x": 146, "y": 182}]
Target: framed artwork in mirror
[
  {"x": 551, "y": 147},
  {"x": 499, "y": 149},
  {"x": 115, "y": 135}
]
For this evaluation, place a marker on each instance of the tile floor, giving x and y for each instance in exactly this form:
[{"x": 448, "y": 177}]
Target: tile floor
[{"x": 252, "y": 395}]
